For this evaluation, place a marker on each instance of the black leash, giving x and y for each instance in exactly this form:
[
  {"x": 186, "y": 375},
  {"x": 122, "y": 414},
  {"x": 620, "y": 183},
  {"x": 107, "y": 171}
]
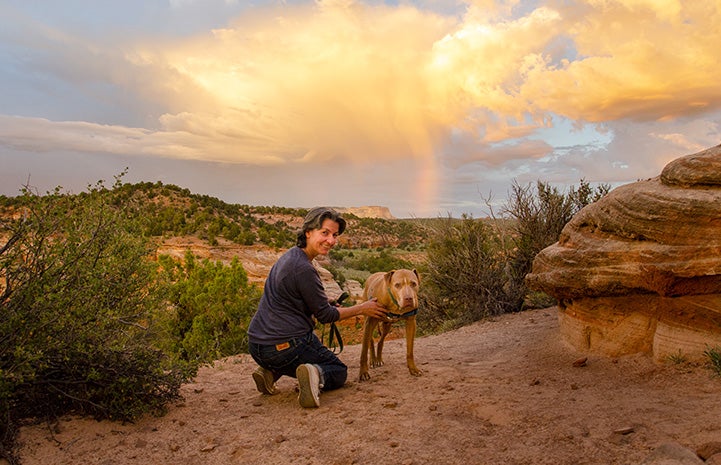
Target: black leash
[{"x": 334, "y": 332}]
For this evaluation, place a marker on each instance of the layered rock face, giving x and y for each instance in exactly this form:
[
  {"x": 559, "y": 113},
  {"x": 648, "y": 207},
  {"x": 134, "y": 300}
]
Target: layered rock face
[
  {"x": 640, "y": 270},
  {"x": 368, "y": 212}
]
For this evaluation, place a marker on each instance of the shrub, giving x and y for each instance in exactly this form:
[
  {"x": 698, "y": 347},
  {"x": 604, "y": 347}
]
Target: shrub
[
  {"x": 538, "y": 219},
  {"x": 76, "y": 299},
  {"x": 208, "y": 308},
  {"x": 466, "y": 277}
]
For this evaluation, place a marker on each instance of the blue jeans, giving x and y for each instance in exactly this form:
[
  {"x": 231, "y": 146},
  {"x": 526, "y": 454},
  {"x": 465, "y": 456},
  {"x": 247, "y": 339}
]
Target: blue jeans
[{"x": 300, "y": 350}]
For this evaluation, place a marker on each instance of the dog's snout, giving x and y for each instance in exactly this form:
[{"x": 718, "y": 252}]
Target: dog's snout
[{"x": 408, "y": 299}]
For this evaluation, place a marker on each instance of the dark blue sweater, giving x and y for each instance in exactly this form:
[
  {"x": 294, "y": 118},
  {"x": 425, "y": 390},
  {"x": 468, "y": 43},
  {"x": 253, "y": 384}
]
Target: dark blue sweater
[{"x": 292, "y": 295}]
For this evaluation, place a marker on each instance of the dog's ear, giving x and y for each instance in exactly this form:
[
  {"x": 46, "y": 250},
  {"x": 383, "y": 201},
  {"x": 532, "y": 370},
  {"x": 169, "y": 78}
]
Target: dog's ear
[
  {"x": 388, "y": 277},
  {"x": 415, "y": 272}
]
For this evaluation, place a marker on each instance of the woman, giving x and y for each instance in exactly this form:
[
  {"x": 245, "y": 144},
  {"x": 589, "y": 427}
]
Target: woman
[{"x": 280, "y": 335}]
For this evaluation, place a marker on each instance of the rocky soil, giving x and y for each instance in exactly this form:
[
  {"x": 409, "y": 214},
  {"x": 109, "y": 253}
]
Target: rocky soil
[{"x": 503, "y": 391}]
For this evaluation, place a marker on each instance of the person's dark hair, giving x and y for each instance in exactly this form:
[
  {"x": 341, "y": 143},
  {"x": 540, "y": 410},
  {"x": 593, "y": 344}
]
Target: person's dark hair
[{"x": 314, "y": 220}]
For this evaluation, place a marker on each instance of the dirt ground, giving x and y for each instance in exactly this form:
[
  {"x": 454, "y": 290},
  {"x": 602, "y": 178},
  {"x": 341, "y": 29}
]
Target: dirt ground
[{"x": 503, "y": 391}]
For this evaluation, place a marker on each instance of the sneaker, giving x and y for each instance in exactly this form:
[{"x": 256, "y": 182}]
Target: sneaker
[
  {"x": 265, "y": 381},
  {"x": 309, "y": 385}
]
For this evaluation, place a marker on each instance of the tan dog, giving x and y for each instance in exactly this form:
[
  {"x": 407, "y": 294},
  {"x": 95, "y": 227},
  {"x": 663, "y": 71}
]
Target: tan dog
[{"x": 397, "y": 291}]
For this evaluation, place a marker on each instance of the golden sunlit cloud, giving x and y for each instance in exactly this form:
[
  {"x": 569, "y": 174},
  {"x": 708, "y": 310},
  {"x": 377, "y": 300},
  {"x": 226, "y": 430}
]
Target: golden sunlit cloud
[
  {"x": 335, "y": 80},
  {"x": 637, "y": 59},
  {"x": 340, "y": 79}
]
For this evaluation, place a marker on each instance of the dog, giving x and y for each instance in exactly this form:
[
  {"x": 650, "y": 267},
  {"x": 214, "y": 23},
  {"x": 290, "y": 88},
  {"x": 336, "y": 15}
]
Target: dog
[{"x": 397, "y": 291}]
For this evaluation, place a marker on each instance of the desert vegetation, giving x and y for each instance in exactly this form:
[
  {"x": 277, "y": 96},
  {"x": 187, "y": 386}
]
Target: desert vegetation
[{"x": 95, "y": 324}]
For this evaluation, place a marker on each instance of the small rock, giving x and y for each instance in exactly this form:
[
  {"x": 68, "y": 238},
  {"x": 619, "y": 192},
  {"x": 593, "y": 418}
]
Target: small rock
[
  {"x": 581, "y": 362},
  {"x": 625, "y": 430},
  {"x": 672, "y": 453},
  {"x": 619, "y": 439},
  {"x": 208, "y": 448},
  {"x": 280, "y": 438}
]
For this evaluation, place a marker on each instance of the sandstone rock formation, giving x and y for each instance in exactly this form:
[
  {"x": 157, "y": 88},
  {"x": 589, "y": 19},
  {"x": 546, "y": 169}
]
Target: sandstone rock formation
[
  {"x": 368, "y": 212},
  {"x": 640, "y": 270}
]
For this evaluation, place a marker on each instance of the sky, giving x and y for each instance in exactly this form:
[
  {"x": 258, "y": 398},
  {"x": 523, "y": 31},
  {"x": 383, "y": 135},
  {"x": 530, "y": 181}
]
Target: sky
[{"x": 429, "y": 107}]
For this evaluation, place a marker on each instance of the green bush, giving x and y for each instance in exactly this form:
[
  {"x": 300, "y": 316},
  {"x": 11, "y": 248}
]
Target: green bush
[
  {"x": 208, "y": 308},
  {"x": 466, "y": 278},
  {"x": 76, "y": 297}
]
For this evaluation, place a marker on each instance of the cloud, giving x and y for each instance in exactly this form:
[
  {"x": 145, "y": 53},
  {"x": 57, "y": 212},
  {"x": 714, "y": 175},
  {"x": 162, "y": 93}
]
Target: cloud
[
  {"x": 348, "y": 80},
  {"x": 641, "y": 60}
]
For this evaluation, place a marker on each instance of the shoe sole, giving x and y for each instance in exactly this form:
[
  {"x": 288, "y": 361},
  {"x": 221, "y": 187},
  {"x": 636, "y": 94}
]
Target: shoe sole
[
  {"x": 306, "y": 397},
  {"x": 262, "y": 385}
]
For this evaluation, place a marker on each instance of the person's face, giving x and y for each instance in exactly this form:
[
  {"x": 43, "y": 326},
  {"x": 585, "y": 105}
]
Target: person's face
[{"x": 320, "y": 241}]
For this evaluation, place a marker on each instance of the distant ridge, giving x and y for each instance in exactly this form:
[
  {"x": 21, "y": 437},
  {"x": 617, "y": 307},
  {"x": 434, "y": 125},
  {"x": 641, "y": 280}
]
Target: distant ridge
[{"x": 368, "y": 212}]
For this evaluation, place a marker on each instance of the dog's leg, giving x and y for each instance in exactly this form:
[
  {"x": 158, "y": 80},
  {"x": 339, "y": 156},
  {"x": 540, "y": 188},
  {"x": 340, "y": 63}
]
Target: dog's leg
[
  {"x": 384, "y": 329},
  {"x": 368, "y": 327},
  {"x": 410, "y": 337}
]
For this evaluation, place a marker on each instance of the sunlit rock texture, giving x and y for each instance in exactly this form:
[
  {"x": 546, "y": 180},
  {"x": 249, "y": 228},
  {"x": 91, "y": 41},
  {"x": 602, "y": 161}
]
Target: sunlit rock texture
[{"x": 639, "y": 271}]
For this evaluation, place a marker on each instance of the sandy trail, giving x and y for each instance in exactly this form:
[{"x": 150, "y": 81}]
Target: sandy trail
[{"x": 502, "y": 391}]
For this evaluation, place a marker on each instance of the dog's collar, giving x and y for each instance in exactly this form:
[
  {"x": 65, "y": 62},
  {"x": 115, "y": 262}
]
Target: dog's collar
[
  {"x": 402, "y": 315},
  {"x": 395, "y": 302}
]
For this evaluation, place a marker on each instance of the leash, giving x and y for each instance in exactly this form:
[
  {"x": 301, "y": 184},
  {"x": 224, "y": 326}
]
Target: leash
[{"x": 334, "y": 332}]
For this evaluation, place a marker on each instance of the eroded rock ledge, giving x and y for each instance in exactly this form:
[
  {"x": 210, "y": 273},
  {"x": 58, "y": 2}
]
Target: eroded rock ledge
[{"x": 640, "y": 270}]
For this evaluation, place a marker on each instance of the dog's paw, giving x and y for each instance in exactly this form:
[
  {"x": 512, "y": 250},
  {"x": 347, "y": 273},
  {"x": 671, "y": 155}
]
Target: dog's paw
[
  {"x": 364, "y": 376},
  {"x": 416, "y": 371},
  {"x": 377, "y": 363}
]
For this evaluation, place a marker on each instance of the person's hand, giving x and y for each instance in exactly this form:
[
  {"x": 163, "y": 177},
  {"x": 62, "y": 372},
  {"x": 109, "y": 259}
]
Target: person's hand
[{"x": 372, "y": 309}]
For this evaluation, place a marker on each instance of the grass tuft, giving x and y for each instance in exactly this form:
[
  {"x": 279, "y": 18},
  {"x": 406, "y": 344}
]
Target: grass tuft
[{"x": 714, "y": 356}]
